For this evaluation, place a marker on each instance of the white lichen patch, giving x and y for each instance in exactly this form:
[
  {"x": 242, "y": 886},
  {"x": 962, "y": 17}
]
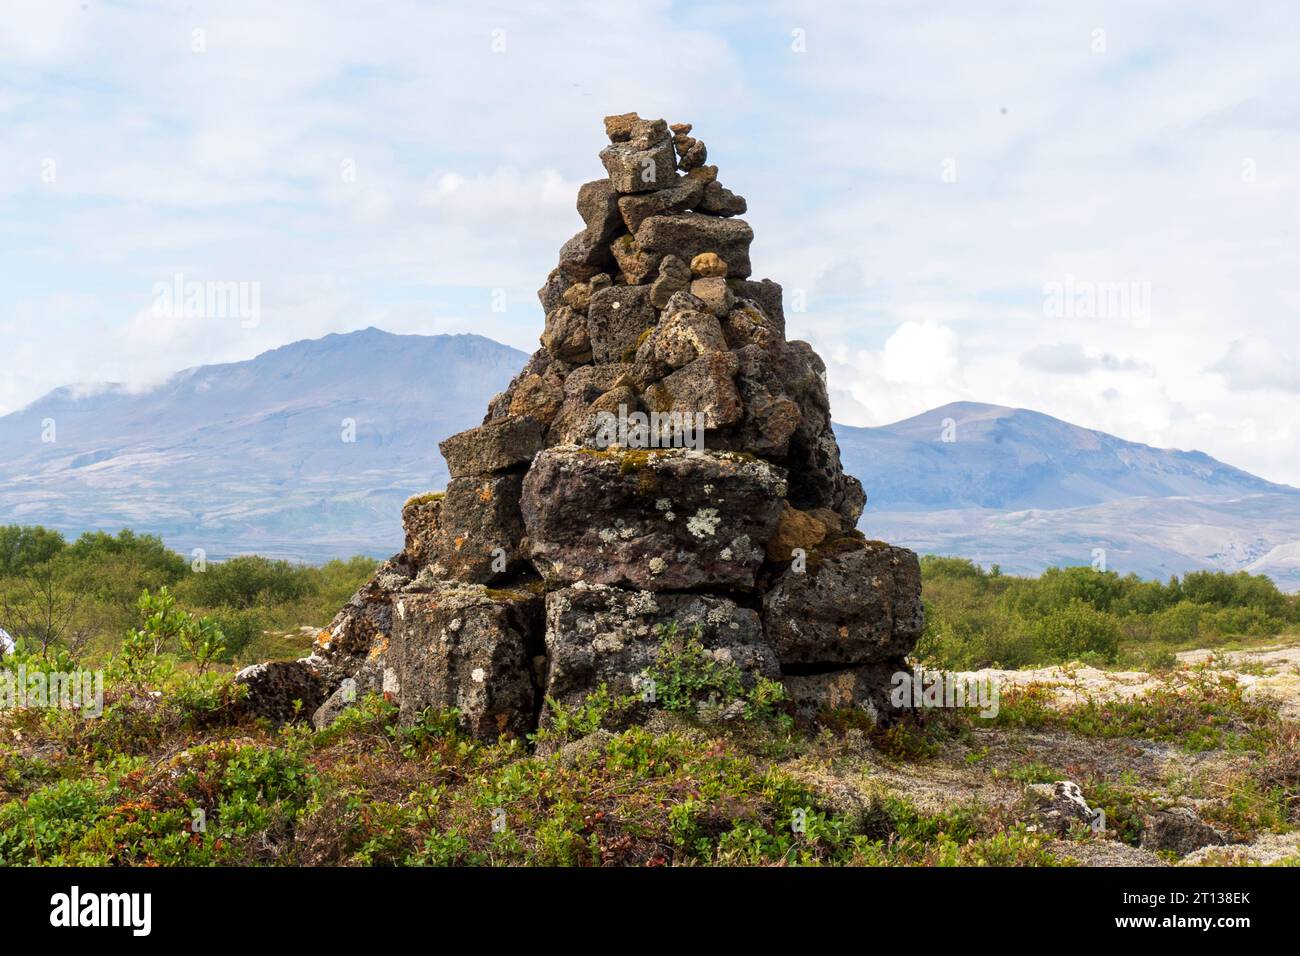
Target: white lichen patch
[
  {"x": 607, "y": 644},
  {"x": 642, "y": 603},
  {"x": 478, "y": 674},
  {"x": 658, "y": 565},
  {"x": 704, "y": 523},
  {"x": 608, "y": 535},
  {"x": 664, "y": 504}
]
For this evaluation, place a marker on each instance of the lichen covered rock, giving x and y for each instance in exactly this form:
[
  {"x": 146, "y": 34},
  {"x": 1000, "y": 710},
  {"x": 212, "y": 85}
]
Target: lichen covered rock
[
  {"x": 673, "y": 518},
  {"x": 597, "y": 634},
  {"x": 856, "y": 602}
]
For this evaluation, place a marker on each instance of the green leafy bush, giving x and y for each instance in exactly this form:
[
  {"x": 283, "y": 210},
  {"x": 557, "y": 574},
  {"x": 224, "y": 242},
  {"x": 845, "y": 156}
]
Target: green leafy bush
[
  {"x": 687, "y": 678},
  {"x": 977, "y": 618}
]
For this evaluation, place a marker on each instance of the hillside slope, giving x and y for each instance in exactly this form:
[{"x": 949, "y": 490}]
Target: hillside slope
[{"x": 253, "y": 455}]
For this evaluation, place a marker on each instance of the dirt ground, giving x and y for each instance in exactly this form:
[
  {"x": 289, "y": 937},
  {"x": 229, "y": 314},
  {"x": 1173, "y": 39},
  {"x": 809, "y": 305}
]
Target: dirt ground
[{"x": 992, "y": 767}]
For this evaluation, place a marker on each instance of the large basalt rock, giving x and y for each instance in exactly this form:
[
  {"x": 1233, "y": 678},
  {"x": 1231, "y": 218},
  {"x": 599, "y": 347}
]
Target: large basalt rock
[
  {"x": 587, "y": 254},
  {"x": 863, "y": 687},
  {"x": 584, "y": 256},
  {"x": 661, "y": 519},
  {"x": 795, "y": 531},
  {"x": 773, "y": 412},
  {"x": 551, "y": 294},
  {"x": 674, "y": 277},
  {"x": 420, "y": 521},
  {"x": 597, "y": 634},
  {"x": 688, "y": 234},
  {"x": 496, "y": 446},
  {"x": 682, "y": 195},
  {"x": 686, "y": 336},
  {"x": 598, "y": 205},
  {"x": 565, "y": 335},
  {"x": 717, "y": 200},
  {"x": 855, "y": 602},
  {"x": 634, "y": 265},
  {"x": 365, "y": 620},
  {"x": 469, "y": 648},
  {"x": 283, "y": 690},
  {"x": 634, "y": 170},
  {"x": 537, "y": 397},
  {"x": 479, "y": 529},
  {"x": 706, "y": 386},
  {"x": 769, "y": 298},
  {"x": 617, "y": 318}
]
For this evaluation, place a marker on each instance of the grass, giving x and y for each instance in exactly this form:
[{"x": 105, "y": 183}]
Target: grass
[
  {"x": 1210, "y": 713},
  {"x": 187, "y": 779},
  {"x": 184, "y": 780}
]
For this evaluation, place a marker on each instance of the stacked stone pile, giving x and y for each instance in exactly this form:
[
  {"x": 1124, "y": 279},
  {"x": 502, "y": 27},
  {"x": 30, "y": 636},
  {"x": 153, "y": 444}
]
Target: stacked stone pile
[{"x": 665, "y": 457}]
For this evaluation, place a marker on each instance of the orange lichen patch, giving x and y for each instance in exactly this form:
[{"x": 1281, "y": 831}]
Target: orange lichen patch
[
  {"x": 379, "y": 647},
  {"x": 459, "y": 542},
  {"x": 323, "y": 637},
  {"x": 485, "y": 493}
]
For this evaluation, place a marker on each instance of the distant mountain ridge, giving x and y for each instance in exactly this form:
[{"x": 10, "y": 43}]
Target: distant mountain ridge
[
  {"x": 253, "y": 456},
  {"x": 1026, "y": 491},
  {"x": 972, "y": 455}
]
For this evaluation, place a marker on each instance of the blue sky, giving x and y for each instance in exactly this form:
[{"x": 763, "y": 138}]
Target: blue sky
[{"x": 921, "y": 171}]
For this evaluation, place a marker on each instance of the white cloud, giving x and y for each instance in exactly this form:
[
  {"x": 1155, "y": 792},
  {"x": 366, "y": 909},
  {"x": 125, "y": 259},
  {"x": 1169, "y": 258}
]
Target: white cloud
[
  {"x": 1256, "y": 364},
  {"x": 1171, "y": 158}
]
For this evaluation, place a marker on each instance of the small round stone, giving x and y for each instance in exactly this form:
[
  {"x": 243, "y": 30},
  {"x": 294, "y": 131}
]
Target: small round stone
[{"x": 708, "y": 264}]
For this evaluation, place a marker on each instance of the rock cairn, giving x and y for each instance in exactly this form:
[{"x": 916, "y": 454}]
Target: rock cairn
[{"x": 665, "y": 457}]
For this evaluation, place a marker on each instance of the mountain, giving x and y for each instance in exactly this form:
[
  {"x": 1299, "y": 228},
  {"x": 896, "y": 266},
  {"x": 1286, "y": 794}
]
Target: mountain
[
  {"x": 1013, "y": 458},
  {"x": 1026, "y": 491},
  {"x": 252, "y": 456}
]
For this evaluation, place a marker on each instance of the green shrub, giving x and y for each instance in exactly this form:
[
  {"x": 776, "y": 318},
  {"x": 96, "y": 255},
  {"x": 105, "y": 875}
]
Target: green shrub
[
  {"x": 42, "y": 828},
  {"x": 1079, "y": 631},
  {"x": 688, "y": 679},
  {"x": 249, "y": 581},
  {"x": 24, "y": 547}
]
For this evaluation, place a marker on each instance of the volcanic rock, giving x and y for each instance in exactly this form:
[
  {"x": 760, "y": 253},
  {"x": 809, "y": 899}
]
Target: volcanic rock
[
  {"x": 678, "y": 518},
  {"x": 596, "y": 634}
]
